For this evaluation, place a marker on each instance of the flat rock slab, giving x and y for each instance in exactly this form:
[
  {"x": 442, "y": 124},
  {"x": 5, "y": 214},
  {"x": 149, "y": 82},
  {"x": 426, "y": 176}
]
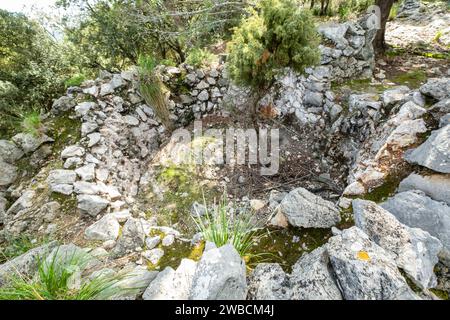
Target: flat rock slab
[{"x": 304, "y": 209}]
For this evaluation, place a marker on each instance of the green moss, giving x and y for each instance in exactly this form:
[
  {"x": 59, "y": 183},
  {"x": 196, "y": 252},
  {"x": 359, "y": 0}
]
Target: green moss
[
  {"x": 441, "y": 294},
  {"x": 413, "y": 79},
  {"x": 68, "y": 203},
  {"x": 384, "y": 191},
  {"x": 278, "y": 246},
  {"x": 182, "y": 188},
  {"x": 359, "y": 85},
  {"x": 65, "y": 131},
  {"x": 175, "y": 253}
]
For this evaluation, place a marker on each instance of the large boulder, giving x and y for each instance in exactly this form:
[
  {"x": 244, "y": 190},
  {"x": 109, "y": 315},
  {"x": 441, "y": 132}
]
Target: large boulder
[
  {"x": 304, "y": 209},
  {"x": 416, "y": 210},
  {"x": 63, "y": 104},
  {"x": 24, "y": 265},
  {"x": 171, "y": 284},
  {"x": 434, "y": 153},
  {"x": 9, "y": 152},
  {"x": 24, "y": 202},
  {"x": 268, "y": 282},
  {"x": 220, "y": 275},
  {"x": 312, "y": 277},
  {"x": 416, "y": 251},
  {"x": 29, "y": 142},
  {"x": 436, "y": 186},
  {"x": 364, "y": 270},
  {"x": 133, "y": 282},
  {"x": 107, "y": 228},
  {"x": 437, "y": 88}
]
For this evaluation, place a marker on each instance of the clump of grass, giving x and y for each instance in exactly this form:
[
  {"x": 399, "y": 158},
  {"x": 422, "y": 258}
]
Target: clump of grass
[
  {"x": 153, "y": 90},
  {"x": 198, "y": 57},
  {"x": 75, "y": 81},
  {"x": 228, "y": 224},
  {"x": 18, "y": 246},
  {"x": 55, "y": 281},
  {"x": 394, "y": 11}
]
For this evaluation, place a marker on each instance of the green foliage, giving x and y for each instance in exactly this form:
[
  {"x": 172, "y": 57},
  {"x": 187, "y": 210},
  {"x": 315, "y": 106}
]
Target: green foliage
[
  {"x": 32, "y": 68},
  {"x": 229, "y": 224},
  {"x": 394, "y": 11},
  {"x": 279, "y": 34},
  {"x": 53, "y": 281},
  {"x": 198, "y": 57},
  {"x": 348, "y": 8},
  {"x": 17, "y": 246},
  {"x": 75, "y": 81},
  {"x": 153, "y": 89}
]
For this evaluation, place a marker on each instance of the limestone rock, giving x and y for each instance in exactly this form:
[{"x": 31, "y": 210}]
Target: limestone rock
[
  {"x": 220, "y": 275},
  {"x": 312, "y": 277},
  {"x": 107, "y": 228},
  {"x": 91, "y": 204},
  {"x": 268, "y": 282},
  {"x": 304, "y": 209},
  {"x": 436, "y": 186},
  {"x": 364, "y": 270},
  {"x": 416, "y": 250}
]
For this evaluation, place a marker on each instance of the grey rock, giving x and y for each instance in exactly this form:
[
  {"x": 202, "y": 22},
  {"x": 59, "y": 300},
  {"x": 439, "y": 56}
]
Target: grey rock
[
  {"x": 63, "y": 104},
  {"x": 313, "y": 98},
  {"x": 29, "y": 142},
  {"x": 66, "y": 189},
  {"x": 394, "y": 96},
  {"x": 26, "y": 264},
  {"x": 9, "y": 152},
  {"x": 436, "y": 186},
  {"x": 24, "y": 202},
  {"x": 94, "y": 138},
  {"x": 304, "y": 209},
  {"x": 91, "y": 204},
  {"x": 312, "y": 277},
  {"x": 437, "y": 88},
  {"x": 364, "y": 101},
  {"x": 152, "y": 242},
  {"x": 107, "y": 228},
  {"x": 50, "y": 211},
  {"x": 364, "y": 270},
  {"x": 88, "y": 127},
  {"x": 416, "y": 251},
  {"x": 83, "y": 108},
  {"x": 72, "y": 151},
  {"x": 434, "y": 153},
  {"x": 153, "y": 255},
  {"x": 3, "y": 203},
  {"x": 133, "y": 236},
  {"x": 198, "y": 210},
  {"x": 133, "y": 282},
  {"x": 60, "y": 176},
  {"x": 416, "y": 210},
  {"x": 203, "y": 95},
  {"x": 268, "y": 282},
  {"x": 171, "y": 284},
  {"x": 87, "y": 172},
  {"x": 8, "y": 173},
  {"x": 168, "y": 240},
  {"x": 220, "y": 275},
  {"x": 72, "y": 162},
  {"x": 130, "y": 120}
]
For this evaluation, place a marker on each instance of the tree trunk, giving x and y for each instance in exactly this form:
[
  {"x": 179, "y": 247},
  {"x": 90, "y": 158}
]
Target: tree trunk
[{"x": 385, "y": 6}]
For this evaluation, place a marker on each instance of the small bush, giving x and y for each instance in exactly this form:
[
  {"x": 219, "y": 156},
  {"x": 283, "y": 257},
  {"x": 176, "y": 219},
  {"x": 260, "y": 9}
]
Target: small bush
[
  {"x": 153, "y": 89},
  {"x": 227, "y": 223},
  {"x": 278, "y": 34},
  {"x": 75, "y": 81},
  {"x": 199, "y": 57},
  {"x": 54, "y": 281}
]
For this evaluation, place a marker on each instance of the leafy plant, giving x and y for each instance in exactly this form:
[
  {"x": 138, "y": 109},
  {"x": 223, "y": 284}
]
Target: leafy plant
[
  {"x": 153, "y": 89},
  {"x": 54, "y": 281},
  {"x": 17, "y": 246},
  {"x": 198, "y": 57},
  {"x": 75, "y": 81},
  {"x": 31, "y": 122},
  {"x": 278, "y": 34},
  {"x": 226, "y": 223}
]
